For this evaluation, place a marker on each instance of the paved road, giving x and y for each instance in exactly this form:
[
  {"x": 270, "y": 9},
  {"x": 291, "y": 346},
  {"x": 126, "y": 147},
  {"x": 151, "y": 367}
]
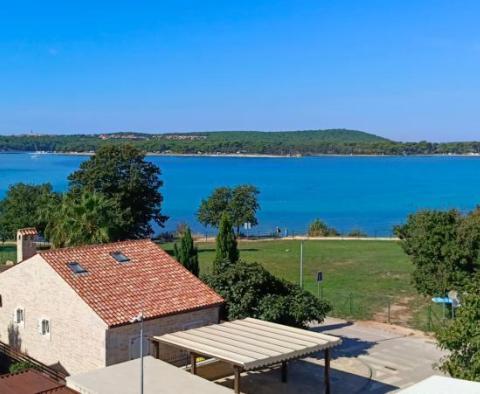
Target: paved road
[
  {"x": 396, "y": 357},
  {"x": 374, "y": 358}
]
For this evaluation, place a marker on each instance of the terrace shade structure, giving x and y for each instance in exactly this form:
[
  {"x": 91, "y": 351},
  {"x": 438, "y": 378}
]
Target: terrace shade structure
[{"x": 250, "y": 344}]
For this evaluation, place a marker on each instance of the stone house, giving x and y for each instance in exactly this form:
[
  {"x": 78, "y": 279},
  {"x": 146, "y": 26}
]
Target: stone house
[{"x": 73, "y": 307}]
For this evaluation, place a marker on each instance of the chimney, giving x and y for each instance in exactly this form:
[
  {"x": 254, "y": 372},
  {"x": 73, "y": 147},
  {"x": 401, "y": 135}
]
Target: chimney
[{"x": 26, "y": 247}]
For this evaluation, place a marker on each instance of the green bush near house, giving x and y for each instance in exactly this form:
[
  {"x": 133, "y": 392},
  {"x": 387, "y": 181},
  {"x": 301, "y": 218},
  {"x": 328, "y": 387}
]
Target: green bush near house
[
  {"x": 251, "y": 291},
  {"x": 20, "y": 366}
]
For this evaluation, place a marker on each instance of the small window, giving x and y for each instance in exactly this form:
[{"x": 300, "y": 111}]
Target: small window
[
  {"x": 1, "y": 302},
  {"x": 76, "y": 268},
  {"x": 45, "y": 327},
  {"x": 19, "y": 316},
  {"x": 120, "y": 257}
]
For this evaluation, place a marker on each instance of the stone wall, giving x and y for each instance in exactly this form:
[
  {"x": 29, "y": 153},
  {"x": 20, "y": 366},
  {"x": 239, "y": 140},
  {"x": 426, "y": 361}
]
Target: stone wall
[
  {"x": 79, "y": 339},
  {"x": 77, "y": 335},
  {"x": 123, "y": 341}
]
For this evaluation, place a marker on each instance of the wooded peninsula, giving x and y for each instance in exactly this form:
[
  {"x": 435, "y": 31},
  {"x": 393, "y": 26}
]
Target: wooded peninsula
[{"x": 281, "y": 143}]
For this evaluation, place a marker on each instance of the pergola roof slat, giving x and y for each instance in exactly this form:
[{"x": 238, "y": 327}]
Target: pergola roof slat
[
  {"x": 280, "y": 337},
  {"x": 251, "y": 339},
  {"x": 274, "y": 329},
  {"x": 250, "y": 343},
  {"x": 257, "y": 348},
  {"x": 222, "y": 344},
  {"x": 188, "y": 345},
  {"x": 306, "y": 333}
]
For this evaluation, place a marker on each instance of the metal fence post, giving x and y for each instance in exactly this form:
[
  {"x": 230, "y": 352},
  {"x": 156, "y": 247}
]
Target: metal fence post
[
  {"x": 429, "y": 322},
  {"x": 388, "y": 301}
]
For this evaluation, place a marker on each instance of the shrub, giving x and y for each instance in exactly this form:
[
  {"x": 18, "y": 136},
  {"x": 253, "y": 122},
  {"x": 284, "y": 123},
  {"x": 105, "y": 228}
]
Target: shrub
[
  {"x": 460, "y": 337},
  {"x": 251, "y": 291},
  {"x": 318, "y": 228},
  {"x": 20, "y": 366},
  {"x": 356, "y": 232}
]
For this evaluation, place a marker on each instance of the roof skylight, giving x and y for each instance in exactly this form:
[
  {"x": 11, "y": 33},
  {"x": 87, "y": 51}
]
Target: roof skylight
[
  {"x": 76, "y": 268},
  {"x": 120, "y": 257}
]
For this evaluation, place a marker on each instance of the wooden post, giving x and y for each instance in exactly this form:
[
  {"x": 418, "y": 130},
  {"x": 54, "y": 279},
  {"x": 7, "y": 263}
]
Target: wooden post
[
  {"x": 284, "y": 371},
  {"x": 327, "y": 371},
  {"x": 236, "y": 384},
  {"x": 193, "y": 363},
  {"x": 156, "y": 345}
]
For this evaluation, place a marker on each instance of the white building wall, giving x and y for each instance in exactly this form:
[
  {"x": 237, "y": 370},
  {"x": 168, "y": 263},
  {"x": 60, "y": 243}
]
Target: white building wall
[{"x": 77, "y": 334}]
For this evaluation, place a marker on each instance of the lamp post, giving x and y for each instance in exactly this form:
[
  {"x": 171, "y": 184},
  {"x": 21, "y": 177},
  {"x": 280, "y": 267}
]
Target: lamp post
[
  {"x": 137, "y": 319},
  {"x": 301, "y": 264}
]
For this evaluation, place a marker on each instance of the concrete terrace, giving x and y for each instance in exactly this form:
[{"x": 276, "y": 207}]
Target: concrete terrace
[{"x": 373, "y": 358}]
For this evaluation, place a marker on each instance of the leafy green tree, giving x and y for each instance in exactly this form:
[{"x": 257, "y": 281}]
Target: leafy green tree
[
  {"x": 251, "y": 291},
  {"x": 226, "y": 245},
  {"x": 26, "y": 206},
  {"x": 88, "y": 218},
  {"x": 121, "y": 174},
  {"x": 443, "y": 246},
  {"x": 241, "y": 203},
  {"x": 4, "y": 233},
  {"x": 461, "y": 337},
  {"x": 187, "y": 253},
  {"x": 244, "y": 206},
  {"x": 212, "y": 208},
  {"x": 318, "y": 228}
]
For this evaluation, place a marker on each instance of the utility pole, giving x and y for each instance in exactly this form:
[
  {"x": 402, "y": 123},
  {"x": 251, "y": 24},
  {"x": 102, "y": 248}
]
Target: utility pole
[
  {"x": 137, "y": 319},
  {"x": 301, "y": 264}
]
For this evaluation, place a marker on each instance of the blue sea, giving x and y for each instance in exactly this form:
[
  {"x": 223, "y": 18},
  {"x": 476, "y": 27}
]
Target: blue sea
[{"x": 368, "y": 193}]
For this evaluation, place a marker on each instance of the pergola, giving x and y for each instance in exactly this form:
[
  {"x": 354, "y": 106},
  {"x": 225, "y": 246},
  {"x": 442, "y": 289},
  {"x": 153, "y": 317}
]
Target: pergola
[{"x": 250, "y": 344}]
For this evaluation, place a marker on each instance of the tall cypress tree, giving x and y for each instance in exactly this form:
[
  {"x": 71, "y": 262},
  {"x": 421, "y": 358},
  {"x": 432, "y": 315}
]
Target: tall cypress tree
[
  {"x": 226, "y": 245},
  {"x": 187, "y": 253}
]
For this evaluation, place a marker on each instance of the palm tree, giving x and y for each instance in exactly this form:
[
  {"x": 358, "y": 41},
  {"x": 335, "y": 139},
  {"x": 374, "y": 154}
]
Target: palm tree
[{"x": 84, "y": 219}]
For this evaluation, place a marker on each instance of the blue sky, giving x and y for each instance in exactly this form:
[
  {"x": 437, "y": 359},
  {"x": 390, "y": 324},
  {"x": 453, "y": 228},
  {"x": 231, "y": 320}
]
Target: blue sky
[{"x": 406, "y": 70}]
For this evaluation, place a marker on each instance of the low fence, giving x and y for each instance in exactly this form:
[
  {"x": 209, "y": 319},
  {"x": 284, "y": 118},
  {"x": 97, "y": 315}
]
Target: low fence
[
  {"x": 15, "y": 356},
  {"x": 412, "y": 311}
]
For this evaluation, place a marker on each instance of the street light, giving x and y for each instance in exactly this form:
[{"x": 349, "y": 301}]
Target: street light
[{"x": 137, "y": 319}]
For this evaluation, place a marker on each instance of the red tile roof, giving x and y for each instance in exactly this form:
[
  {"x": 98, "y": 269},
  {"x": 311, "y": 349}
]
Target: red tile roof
[
  {"x": 31, "y": 382},
  {"x": 151, "y": 281},
  {"x": 28, "y": 231}
]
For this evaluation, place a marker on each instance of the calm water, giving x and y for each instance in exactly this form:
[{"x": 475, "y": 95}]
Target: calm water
[{"x": 370, "y": 193}]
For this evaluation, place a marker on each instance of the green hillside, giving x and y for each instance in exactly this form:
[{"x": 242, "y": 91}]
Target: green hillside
[
  {"x": 301, "y": 136},
  {"x": 305, "y": 142}
]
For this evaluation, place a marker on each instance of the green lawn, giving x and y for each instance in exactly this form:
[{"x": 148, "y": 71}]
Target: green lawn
[
  {"x": 7, "y": 252},
  {"x": 361, "y": 278}
]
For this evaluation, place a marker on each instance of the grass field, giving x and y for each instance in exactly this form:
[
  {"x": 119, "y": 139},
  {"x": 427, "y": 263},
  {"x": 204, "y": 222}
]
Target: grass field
[
  {"x": 7, "y": 252},
  {"x": 362, "y": 279}
]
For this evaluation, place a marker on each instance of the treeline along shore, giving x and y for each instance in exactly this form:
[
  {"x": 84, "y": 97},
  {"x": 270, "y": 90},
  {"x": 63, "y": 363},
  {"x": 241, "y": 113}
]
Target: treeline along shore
[{"x": 245, "y": 143}]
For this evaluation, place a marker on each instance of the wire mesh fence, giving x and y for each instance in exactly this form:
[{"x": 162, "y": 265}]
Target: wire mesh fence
[{"x": 415, "y": 312}]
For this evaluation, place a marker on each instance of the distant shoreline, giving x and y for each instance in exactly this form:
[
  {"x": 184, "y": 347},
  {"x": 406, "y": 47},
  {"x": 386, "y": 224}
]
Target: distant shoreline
[{"x": 254, "y": 155}]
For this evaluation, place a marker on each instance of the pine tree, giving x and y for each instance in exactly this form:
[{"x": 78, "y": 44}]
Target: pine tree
[
  {"x": 187, "y": 253},
  {"x": 226, "y": 245}
]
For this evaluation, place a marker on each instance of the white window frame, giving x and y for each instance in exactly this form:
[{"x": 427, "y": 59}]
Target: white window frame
[
  {"x": 15, "y": 316},
  {"x": 41, "y": 327}
]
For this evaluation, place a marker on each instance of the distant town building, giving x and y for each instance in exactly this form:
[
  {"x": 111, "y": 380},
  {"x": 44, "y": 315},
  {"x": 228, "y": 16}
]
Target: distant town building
[{"x": 72, "y": 308}]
